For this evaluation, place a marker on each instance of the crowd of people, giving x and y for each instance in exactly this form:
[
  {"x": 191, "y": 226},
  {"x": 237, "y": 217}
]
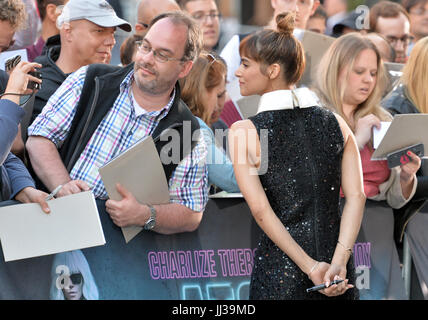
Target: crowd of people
[{"x": 319, "y": 191}]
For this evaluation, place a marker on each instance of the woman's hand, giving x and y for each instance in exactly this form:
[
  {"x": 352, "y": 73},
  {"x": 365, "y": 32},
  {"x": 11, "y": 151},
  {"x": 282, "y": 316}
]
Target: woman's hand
[
  {"x": 317, "y": 274},
  {"x": 409, "y": 169},
  {"x": 408, "y": 174},
  {"x": 363, "y": 129},
  {"x": 336, "y": 272}
]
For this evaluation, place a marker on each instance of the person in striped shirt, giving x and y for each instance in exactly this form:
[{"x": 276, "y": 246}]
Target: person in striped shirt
[{"x": 147, "y": 94}]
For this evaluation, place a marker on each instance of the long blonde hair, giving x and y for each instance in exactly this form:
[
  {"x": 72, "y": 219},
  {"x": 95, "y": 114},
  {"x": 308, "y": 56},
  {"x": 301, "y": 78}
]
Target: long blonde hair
[
  {"x": 343, "y": 53},
  {"x": 415, "y": 75}
]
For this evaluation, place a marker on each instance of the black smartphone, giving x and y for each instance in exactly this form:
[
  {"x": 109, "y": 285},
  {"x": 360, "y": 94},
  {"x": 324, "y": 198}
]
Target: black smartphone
[
  {"x": 34, "y": 85},
  {"x": 400, "y": 157}
]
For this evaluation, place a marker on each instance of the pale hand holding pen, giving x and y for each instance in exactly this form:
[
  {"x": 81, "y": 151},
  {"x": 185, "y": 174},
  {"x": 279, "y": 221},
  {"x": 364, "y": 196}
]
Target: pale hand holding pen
[
  {"x": 72, "y": 187},
  {"x": 53, "y": 193}
]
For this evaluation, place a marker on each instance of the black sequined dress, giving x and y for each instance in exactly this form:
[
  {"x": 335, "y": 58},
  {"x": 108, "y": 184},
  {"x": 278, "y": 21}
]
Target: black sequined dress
[{"x": 302, "y": 183}]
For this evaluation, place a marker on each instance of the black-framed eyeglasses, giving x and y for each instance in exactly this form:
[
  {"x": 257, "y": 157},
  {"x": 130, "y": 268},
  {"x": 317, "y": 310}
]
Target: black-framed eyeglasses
[
  {"x": 404, "y": 39},
  {"x": 201, "y": 16},
  {"x": 145, "y": 48}
]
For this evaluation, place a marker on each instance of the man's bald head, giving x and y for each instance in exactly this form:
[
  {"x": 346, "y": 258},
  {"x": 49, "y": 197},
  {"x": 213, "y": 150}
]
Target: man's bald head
[
  {"x": 148, "y": 9},
  {"x": 386, "y": 51}
]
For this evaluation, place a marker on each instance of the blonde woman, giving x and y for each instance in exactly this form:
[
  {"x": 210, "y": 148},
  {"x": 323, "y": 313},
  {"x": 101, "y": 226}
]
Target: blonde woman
[
  {"x": 350, "y": 82},
  {"x": 411, "y": 96},
  {"x": 72, "y": 278}
]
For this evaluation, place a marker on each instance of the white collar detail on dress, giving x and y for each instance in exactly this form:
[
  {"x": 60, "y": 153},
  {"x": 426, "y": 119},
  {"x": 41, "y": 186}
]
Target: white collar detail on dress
[{"x": 287, "y": 99}]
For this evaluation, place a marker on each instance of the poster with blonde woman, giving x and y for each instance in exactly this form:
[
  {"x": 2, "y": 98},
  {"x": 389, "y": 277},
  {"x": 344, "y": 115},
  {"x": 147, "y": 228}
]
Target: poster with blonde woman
[{"x": 72, "y": 278}]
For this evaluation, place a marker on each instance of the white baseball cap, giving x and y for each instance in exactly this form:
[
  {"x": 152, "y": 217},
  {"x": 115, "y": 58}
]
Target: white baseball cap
[{"x": 99, "y": 12}]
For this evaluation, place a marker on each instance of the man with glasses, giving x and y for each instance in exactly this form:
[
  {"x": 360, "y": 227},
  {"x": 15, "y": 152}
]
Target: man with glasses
[
  {"x": 148, "y": 9},
  {"x": 206, "y": 13},
  {"x": 418, "y": 12},
  {"x": 127, "y": 104},
  {"x": 392, "y": 21}
]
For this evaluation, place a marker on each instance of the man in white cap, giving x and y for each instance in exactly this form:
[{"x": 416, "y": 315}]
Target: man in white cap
[{"x": 87, "y": 30}]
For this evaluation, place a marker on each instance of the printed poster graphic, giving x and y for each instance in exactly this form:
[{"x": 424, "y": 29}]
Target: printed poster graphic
[{"x": 214, "y": 262}]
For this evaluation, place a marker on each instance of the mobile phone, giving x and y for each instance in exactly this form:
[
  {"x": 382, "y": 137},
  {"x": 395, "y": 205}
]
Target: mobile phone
[
  {"x": 400, "y": 157},
  {"x": 34, "y": 85}
]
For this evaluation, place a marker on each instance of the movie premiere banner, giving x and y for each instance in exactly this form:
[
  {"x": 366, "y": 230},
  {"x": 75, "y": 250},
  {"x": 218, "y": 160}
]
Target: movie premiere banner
[{"x": 214, "y": 262}]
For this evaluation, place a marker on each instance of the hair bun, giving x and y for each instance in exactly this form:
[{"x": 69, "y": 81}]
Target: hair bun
[{"x": 285, "y": 23}]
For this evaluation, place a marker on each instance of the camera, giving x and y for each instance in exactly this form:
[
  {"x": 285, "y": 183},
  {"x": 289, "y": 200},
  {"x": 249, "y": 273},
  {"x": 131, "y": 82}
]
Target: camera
[{"x": 34, "y": 85}]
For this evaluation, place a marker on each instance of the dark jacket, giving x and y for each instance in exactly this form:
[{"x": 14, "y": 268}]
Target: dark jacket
[
  {"x": 52, "y": 76},
  {"x": 4, "y": 77},
  {"x": 99, "y": 92},
  {"x": 397, "y": 102},
  {"x": 14, "y": 175}
]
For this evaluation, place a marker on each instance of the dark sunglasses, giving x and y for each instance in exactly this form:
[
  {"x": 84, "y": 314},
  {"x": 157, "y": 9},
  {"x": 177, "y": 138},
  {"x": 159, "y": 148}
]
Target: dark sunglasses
[{"x": 76, "y": 278}]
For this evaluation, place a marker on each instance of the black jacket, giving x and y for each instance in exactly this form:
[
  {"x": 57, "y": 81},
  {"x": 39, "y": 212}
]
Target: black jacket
[
  {"x": 4, "y": 77},
  {"x": 52, "y": 76},
  {"x": 397, "y": 102}
]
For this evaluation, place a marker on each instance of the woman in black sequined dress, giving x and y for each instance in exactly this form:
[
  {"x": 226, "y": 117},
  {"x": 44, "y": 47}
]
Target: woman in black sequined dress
[{"x": 290, "y": 161}]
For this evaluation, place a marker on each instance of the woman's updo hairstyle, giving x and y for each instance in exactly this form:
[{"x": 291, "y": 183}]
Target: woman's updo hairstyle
[{"x": 277, "y": 46}]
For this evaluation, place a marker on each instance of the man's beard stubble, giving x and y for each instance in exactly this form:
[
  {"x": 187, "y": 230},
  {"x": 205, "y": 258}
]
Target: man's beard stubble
[{"x": 157, "y": 86}]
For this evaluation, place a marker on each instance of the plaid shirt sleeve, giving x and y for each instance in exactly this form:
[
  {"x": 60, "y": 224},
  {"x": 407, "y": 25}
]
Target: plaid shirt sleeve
[
  {"x": 55, "y": 119},
  {"x": 188, "y": 184}
]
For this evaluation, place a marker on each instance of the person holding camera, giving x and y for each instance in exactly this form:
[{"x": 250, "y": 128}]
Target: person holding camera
[{"x": 15, "y": 180}]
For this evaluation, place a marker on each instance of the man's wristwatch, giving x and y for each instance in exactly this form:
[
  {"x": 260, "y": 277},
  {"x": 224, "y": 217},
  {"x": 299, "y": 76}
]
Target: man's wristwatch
[{"x": 151, "y": 222}]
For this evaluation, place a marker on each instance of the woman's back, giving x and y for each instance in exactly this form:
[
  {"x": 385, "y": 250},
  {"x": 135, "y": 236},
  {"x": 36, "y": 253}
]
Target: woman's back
[{"x": 302, "y": 183}]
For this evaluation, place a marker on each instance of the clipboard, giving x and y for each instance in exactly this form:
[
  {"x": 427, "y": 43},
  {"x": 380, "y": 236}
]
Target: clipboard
[
  {"x": 404, "y": 131},
  {"x": 249, "y": 105},
  {"x": 394, "y": 72},
  {"x": 73, "y": 223},
  {"x": 315, "y": 46},
  {"x": 140, "y": 171}
]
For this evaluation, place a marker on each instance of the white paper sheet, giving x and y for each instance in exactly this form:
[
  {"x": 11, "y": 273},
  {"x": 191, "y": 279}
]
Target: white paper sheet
[
  {"x": 73, "y": 223},
  {"x": 378, "y": 134}
]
